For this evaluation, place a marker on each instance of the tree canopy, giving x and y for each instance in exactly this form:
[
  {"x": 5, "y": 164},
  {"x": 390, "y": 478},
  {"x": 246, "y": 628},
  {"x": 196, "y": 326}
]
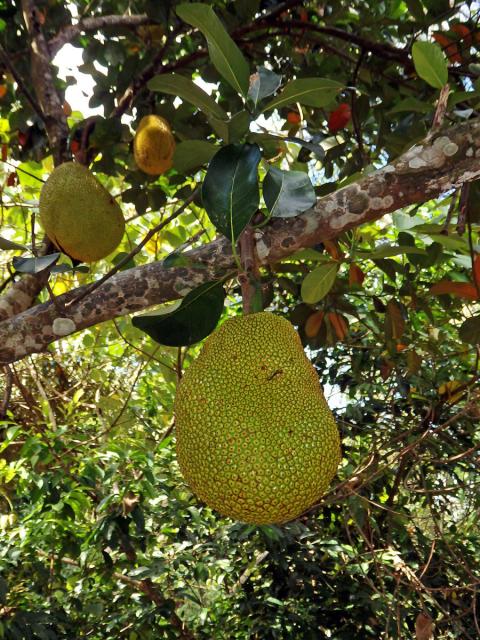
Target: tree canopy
[{"x": 326, "y": 168}]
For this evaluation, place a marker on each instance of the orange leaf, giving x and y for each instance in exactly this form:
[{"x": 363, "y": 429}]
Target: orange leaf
[
  {"x": 332, "y": 248},
  {"x": 394, "y": 321},
  {"x": 339, "y": 325},
  {"x": 476, "y": 269},
  {"x": 386, "y": 369},
  {"x": 449, "y": 47},
  {"x": 12, "y": 179},
  {"x": 459, "y": 289},
  {"x": 355, "y": 275},
  {"x": 463, "y": 32},
  {"x": 313, "y": 324},
  {"x": 3, "y": 90}
]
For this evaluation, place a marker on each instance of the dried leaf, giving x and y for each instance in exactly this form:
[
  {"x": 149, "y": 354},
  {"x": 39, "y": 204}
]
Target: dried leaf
[{"x": 459, "y": 289}]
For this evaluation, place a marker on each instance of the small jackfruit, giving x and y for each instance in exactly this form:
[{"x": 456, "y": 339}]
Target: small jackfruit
[
  {"x": 154, "y": 145},
  {"x": 256, "y": 439},
  {"x": 79, "y": 215}
]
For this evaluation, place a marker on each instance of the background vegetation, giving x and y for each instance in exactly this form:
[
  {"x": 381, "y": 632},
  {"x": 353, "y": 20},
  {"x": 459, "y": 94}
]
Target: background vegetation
[{"x": 100, "y": 537}]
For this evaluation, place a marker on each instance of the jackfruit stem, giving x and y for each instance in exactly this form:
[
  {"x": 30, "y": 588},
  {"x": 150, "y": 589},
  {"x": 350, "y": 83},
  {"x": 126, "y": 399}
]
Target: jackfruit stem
[{"x": 249, "y": 276}]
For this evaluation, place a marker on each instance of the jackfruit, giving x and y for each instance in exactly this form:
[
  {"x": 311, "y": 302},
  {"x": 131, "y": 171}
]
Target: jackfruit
[
  {"x": 154, "y": 145},
  {"x": 256, "y": 440},
  {"x": 79, "y": 215}
]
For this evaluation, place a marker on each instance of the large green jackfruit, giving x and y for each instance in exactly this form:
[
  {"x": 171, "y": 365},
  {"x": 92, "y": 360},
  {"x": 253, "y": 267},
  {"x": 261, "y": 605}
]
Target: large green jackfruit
[
  {"x": 154, "y": 145},
  {"x": 256, "y": 439},
  {"x": 79, "y": 215}
]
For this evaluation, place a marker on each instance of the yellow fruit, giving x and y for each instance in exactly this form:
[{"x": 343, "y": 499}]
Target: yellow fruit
[
  {"x": 79, "y": 215},
  {"x": 154, "y": 145},
  {"x": 255, "y": 437}
]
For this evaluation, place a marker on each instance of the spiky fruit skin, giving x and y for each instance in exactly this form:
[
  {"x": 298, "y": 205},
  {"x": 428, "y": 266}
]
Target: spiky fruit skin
[
  {"x": 79, "y": 215},
  {"x": 154, "y": 145},
  {"x": 255, "y": 437}
]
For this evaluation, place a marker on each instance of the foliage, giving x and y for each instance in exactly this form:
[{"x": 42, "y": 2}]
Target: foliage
[{"x": 100, "y": 537}]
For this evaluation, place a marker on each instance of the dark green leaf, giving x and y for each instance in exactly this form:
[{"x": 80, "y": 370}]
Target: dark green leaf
[
  {"x": 224, "y": 53},
  {"x": 230, "y": 191},
  {"x": 416, "y": 9},
  {"x": 264, "y": 83},
  {"x": 192, "y": 154},
  {"x": 287, "y": 193},
  {"x": 314, "y": 92},
  {"x": 184, "y": 88},
  {"x": 34, "y": 265},
  {"x": 473, "y": 202},
  {"x": 8, "y": 245},
  {"x": 192, "y": 321}
]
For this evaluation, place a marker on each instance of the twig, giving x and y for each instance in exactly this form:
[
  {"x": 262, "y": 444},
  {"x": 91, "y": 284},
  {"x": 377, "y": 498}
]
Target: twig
[
  {"x": 440, "y": 109},
  {"x": 463, "y": 208}
]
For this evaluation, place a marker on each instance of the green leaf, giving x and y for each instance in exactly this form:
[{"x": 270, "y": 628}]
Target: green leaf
[
  {"x": 192, "y": 321},
  {"x": 192, "y": 154},
  {"x": 186, "y": 89},
  {"x": 264, "y": 83},
  {"x": 470, "y": 331},
  {"x": 287, "y": 193},
  {"x": 224, "y": 53},
  {"x": 230, "y": 191},
  {"x": 319, "y": 282},
  {"x": 412, "y": 104},
  {"x": 430, "y": 63},
  {"x": 314, "y": 92},
  {"x": 34, "y": 265},
  {"x": 8, "y": 245},
  {"x": 473, "y": 201},
  {"x": 387, "y": 251},
  {"x": 416, "y": 8}
]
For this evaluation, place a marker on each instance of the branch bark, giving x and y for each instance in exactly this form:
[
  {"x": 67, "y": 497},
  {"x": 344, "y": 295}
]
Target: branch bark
[
  {"x": 445, "y": 161},
  {"x": 43, "y": 82},
  {"x": 69, "y": 32},
  {"x": 23, "y": 293}
]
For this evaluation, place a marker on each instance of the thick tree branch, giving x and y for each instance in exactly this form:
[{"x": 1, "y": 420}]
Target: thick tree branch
[
  {"x": 97, "y": 23},
  {"x": 42, "y": 75},
  {"x": 23, "y": 293},
  {"x": 446, "y": 161}
]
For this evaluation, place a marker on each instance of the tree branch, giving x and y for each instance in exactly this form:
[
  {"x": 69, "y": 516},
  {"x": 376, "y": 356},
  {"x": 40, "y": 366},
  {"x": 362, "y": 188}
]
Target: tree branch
[
  {"x": 42, "y": 76},
  {"x": 446, "y": 161},
  {"x": 69, "y": 32}
]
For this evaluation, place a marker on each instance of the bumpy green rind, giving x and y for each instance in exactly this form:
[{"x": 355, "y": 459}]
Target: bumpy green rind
[
  {"x": 79, "y": 215},
  {"x": 256, "y": 439}
]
